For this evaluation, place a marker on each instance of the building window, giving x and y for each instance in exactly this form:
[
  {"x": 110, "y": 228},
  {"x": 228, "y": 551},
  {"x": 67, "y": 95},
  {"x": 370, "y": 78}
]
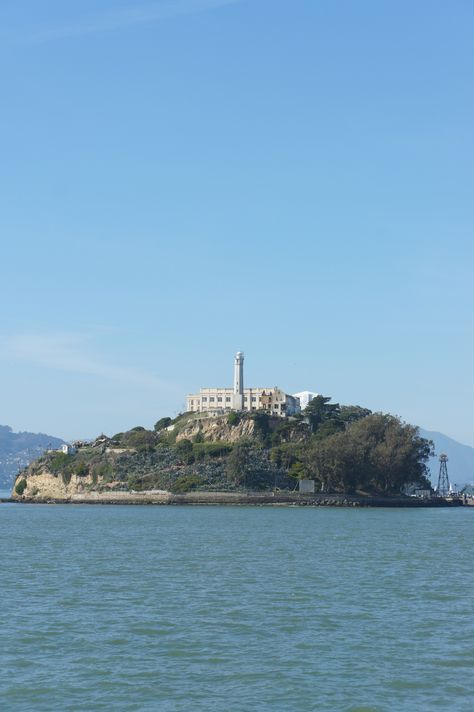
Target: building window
[
  {"x": 211, "y": 399},
  {"x": 245, "y": 398},
  {"x": 227, "y": 399},
  {"x": 204, "y": 399},
  {"x": 254, "y": 399},
  {"x": 219, "y": 399}
]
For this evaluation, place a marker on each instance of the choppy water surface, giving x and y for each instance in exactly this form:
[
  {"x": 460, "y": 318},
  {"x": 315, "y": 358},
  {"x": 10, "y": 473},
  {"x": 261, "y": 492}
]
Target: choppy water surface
[{"x": 235, "y": 608}]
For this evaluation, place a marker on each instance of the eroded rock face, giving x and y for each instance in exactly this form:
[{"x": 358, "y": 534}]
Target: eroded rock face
[
  {"x": 45, "y": 485},
  {"x": 218, "y": 429}
]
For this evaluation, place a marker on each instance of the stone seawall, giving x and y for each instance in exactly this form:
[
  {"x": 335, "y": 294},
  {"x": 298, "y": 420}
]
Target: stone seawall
[{"x": 241, "y": 498}]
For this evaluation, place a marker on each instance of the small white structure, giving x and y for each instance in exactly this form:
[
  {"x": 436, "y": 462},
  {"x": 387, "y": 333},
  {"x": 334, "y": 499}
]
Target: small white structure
[
  {"x": 68, "y": 449},
  {"x": 306, "y": 486},
  {"x": 305, "y": 397}
]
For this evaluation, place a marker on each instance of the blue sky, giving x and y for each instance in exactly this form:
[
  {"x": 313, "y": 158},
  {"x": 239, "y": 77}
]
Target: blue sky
[{"x": 186, "y": 178}]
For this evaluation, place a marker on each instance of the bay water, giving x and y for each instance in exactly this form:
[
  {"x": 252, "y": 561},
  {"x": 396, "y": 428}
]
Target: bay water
[{"x": 176, "y": 608}]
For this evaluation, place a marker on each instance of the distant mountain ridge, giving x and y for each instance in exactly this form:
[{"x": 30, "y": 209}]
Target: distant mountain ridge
[
  {"x": 460, "y": 462},
  {"x": 17, "y": 450}
]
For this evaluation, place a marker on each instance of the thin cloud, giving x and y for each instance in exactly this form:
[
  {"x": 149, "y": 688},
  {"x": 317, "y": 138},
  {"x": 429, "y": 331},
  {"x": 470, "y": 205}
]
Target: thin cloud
[
  {"x": 129, "y": 16},
  {"x": 70, "y": 352}
]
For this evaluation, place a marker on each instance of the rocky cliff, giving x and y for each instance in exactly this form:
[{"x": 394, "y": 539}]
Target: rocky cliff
[
  {"x": 217, "y": 430},
  {"x": 214, "y": 454},
  {"x": 225, "y": 429},
  {"x": 17, "y": 450},
  {"x": 46, "y": 485}
]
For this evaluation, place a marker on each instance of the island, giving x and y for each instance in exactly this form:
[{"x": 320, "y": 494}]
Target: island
[{"x": 328, "y": 454}]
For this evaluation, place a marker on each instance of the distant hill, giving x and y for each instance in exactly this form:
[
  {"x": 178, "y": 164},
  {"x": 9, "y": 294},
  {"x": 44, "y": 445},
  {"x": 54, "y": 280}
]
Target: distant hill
[
  {"x": 17, "y": 450},
  {"x": 461, "y": 458}
]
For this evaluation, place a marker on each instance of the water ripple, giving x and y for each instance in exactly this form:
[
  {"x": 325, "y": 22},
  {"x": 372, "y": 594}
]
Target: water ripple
[{"x": 234, "y": 609}]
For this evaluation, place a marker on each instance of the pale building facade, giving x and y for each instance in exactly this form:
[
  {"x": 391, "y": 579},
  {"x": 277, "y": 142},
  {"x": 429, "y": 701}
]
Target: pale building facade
[
  {"x": 271, "y": 400},
  {"x": 305, "y": 397}
]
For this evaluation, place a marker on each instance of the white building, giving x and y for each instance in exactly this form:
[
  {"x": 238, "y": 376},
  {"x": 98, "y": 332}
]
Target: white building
[
  {"x": 305, "y": 397},
  {"x": 271, "y": 400},
  {"x": 68, "y": 449}
]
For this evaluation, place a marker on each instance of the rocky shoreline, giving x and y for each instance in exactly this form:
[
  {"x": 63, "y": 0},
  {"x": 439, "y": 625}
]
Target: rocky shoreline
[{"x": 240, "y": 498}]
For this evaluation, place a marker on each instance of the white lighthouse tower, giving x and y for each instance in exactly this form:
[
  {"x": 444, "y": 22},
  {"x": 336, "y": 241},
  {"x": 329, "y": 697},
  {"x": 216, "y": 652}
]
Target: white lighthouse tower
[{"x": 238, "y": 399}]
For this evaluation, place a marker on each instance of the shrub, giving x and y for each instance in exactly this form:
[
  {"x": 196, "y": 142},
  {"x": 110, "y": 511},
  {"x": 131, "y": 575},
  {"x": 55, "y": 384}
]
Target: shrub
[
  {"x": 184, "y": 450},
  {"x": 186, "y": 483},
  {"x": 233, "y": 418},
  {"x": 162, "y": 423},
  {"x": 249, "y": 467},
  {"x": 168, "y": 437},
  {"x": 102, "y": 470},
  {"x": 146, "y": 447},
  {"x": 59, "y": 461},
  {"x": 137, "y": 438},
  {"x": 297, "y": 471},
  {"x": 262, "y": 427},
  {"x": 282, "y": 433},
  {"x": 134, "y": 483},
  {"x": 82, "y": 470},
  {"x": 285, "y": 455},
  {"x": 216, "y": 449},
  {"x": 20, "y": 487}
]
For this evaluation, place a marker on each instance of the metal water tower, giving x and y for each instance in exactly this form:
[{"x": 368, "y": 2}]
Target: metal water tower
[{"x": 443, "y": 479}]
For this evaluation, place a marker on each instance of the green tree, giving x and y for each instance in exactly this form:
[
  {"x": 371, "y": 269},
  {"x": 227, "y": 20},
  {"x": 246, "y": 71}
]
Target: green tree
[
  {"x": 320, "y": 411},
  {"x": 285, "y": 455},
  {"x": 351, "y": 413},
  {"x": 378, "y": 453},
  {"x": 329, "y": 427}
]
